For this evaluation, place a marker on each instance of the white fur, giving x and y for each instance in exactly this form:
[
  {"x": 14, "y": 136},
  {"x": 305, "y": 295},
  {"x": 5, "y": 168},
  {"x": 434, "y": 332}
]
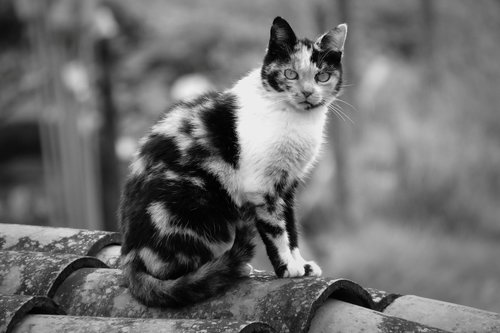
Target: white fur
[
  {"x": 152, "y": 261},
  {"x": 170, "y": 125},
  {"x": 138, "y": 166},
  {"x": 303, "y": 65},
  {"x": 294, "y": 268},
  {"x": 315, "y": 269},
  {"x": 273, "y": 136},
  {"x": 161, "y": 220},
  {"x": 171, "y": 175},
  {"x": 227, "y": 176}
]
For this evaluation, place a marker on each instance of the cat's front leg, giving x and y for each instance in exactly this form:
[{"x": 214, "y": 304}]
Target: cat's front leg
[
  {"x": 275, "y": 238},
  {"x": 280, "y": 239},
  {"x": 311, "y": 268}
]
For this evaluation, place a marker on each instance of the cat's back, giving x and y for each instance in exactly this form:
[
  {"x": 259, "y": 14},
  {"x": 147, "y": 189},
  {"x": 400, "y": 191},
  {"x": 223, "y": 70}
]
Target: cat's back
[{"x": 201, "y": 127}]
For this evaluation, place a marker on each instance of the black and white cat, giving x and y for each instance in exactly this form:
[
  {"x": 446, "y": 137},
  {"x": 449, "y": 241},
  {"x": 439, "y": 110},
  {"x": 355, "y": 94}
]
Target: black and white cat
[{"x": 214, "y": 169}]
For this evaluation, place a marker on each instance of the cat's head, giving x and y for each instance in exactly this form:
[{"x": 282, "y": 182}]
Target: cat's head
[{"x": 303, "y": 73}]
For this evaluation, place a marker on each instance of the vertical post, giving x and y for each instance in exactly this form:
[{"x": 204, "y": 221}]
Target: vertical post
[{"x": 108, "y": 132}]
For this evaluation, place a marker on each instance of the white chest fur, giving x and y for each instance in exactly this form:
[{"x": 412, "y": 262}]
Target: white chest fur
[{"x": 273, "y": 137}]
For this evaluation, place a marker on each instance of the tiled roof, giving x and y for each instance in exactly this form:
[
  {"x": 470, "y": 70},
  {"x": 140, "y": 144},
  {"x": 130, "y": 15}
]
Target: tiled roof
[{"x": 68, "y": 280}]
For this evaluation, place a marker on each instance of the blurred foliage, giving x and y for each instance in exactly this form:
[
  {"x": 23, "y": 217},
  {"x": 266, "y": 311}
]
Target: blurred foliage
[{"x": 443, "y": 125}]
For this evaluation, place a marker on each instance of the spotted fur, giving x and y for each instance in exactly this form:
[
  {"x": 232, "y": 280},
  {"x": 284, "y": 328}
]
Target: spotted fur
[{"x": 215, "y": 169}]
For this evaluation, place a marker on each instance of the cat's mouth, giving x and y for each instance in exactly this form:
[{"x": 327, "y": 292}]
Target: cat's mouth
[{"x": 308, "y": 105}]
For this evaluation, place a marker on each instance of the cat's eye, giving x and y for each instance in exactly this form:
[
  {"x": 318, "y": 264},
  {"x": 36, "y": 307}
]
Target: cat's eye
[
  {"x": 323, "y": 76},
  {"x": 290, "y": 74}
]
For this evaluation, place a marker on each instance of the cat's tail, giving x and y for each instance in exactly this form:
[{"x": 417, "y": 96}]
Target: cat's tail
[{"x": 208, "y": 280}]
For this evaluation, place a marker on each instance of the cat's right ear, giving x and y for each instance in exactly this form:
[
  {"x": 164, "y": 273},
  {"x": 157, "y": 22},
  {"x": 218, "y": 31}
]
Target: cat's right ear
[
  {"x": 334, "y": 39},
  {"x": 282, "y": 37}
]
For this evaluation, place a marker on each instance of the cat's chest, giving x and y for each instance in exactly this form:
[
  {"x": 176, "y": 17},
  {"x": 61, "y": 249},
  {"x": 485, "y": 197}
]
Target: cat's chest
[
  {"x": 285, "y": 147},
  {"x": 277, "y": 143}
]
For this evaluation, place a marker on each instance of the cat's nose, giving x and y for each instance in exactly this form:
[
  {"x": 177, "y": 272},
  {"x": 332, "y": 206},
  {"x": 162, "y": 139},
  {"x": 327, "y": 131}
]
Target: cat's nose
[{"x": 306, "y": 93}]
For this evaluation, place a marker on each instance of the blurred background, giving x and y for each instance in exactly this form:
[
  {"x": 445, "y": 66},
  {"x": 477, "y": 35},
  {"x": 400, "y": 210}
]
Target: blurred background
[{"x": 406, "y": 197}]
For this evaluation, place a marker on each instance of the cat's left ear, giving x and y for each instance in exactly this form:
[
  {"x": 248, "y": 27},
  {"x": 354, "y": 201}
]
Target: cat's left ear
[
  {"x": 282, "y": 35},
  {"x": 333, "y": 39}
]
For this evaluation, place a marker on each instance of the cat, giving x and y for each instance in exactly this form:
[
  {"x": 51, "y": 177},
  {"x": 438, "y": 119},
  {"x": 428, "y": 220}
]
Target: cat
[{"x": 213, "y": 170}]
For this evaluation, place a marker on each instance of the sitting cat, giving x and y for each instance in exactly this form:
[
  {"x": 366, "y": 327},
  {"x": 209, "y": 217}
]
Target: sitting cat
[{"x": 213, "y": 170}]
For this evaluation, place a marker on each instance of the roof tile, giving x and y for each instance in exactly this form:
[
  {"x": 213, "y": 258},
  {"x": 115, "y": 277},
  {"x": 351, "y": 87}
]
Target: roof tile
[
  {"x": 41, "y": 262},
  {"x": 447, "y": 316},
  {"x": 16, "y": 237},
  {"x": 38, "y": 273}
]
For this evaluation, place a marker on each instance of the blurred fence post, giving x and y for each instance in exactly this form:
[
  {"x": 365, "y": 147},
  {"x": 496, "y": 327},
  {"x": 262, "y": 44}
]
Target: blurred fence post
[
  {"x": 61, "y": 39},
  {"x": 106, "y": 30}
]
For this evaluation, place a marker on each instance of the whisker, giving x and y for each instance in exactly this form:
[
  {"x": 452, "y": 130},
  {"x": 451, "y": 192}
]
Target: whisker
[
  {"x": 345, "y": 115},
  {"x": 338, "y": 109},
  {"x": 346, "y": 103},
  {"x": 339, "y": 116}
]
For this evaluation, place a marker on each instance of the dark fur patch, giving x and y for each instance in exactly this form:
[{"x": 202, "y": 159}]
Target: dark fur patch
[
  {"x": 291, "y": 223},
  {"x": 184, "y": 244},
  {"x": 307, "y": 43},
  {"x": 281, "y": 45},
  {"x": 161, "y": 148},
  {"x": 186, "y": 127},
  {"x": 248, "y": 212},
  {"x": 197, "y": 153},
  {"x": 132, "y": 215},
  {"x": 270, "y": 203},
  {"x": 326, "y": 58},
  {"x": 308, "y": 269},
  {"x": 338, "y": 86},
  {"x": 207, "y": 210},
  {"x": 280, "y": 185},
  {"x": 272, "y": 252},
  {"x": 281, "y": 42},
  {"x": 270, "y": 79},
  {"x": 220, "y": 122},
  {"x": 269, "y": 228}
]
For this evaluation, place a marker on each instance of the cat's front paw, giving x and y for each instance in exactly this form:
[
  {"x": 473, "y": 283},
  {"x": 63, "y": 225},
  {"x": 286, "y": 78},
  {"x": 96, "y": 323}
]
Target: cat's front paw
[
  {"x": 298, "y": 268},
  {"x": 292, "y": 269},
  {"x": 312, "y": 269}
]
